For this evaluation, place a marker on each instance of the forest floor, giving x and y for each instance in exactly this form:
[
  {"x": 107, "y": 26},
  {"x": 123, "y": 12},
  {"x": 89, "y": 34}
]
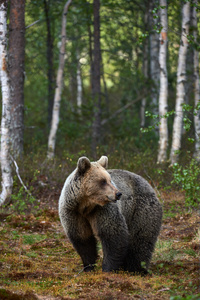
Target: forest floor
[{"x": 38, "y": 262}]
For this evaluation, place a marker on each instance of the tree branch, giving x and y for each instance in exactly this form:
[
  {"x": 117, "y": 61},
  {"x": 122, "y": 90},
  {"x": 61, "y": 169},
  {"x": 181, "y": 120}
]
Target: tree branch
[
  {"x": 18, "y": 175},
  {"x": 119, "y": 111},
  {"x": 32, "y": 24}
]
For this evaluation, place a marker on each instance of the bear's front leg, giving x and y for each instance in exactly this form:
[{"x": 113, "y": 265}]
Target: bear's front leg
[
  {"x": 110, "y": 226},
  {"x": 81, "y": 236},
  {"x": 86, "y": 248}
]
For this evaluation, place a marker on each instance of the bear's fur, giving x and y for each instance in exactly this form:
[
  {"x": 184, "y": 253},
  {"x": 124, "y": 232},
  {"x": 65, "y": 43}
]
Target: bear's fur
[{"x": 89, "y": 208}]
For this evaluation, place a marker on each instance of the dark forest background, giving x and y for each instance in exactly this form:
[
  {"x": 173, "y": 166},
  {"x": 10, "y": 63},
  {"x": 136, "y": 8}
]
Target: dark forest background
[{"x": 123, "y": 35}]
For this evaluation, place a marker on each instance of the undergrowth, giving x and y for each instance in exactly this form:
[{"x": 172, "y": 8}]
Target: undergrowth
[
  {"x": 40, "y": 174},
  {"x": 37, "y": 259}
]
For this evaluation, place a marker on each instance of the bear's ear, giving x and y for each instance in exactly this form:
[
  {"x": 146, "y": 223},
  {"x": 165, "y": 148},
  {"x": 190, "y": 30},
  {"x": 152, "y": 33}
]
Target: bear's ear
[
  {"x": 103, "y": 161},
  {"x": 83, "y": 165}
]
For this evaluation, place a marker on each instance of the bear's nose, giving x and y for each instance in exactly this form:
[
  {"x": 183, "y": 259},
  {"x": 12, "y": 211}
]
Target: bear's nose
[{"x": 118, "y": 195}]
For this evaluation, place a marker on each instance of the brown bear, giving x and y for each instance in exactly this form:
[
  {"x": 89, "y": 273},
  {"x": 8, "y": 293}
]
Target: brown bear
[{"x": 117, "y": 207}]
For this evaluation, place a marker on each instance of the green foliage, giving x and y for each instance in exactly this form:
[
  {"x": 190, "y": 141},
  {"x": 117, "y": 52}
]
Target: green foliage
[
  {"x": 188, "y": 179},
  {"x": 30, "y": 239},
  {"x": 123, "y": 32},
  {"x": 156, "y": 118},
  {"x": 189, "y": 297},
  {"x": 21, "y": 199},
  {"x": 189, "y": 112}
]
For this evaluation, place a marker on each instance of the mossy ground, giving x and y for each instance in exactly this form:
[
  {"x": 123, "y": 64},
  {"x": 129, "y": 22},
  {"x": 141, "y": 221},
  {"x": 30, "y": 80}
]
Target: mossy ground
[{"x": 38, "y": 262}]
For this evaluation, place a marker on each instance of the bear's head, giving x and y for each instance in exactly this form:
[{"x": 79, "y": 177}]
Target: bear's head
[{"x": 97, "y": 186}]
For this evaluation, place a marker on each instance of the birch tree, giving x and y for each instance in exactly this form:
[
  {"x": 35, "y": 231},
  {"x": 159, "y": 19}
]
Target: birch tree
[
  {"x": 163, "y": 129},
  {"x": 7, "y": 181},
  {"x": 59, "y": 83},
  {"x": 79, "y": 83},
  {"x": 180, "y": 88},
  {"x": 196, "y": 86}
]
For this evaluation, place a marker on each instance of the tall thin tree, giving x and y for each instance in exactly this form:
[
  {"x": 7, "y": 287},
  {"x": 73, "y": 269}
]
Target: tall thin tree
[
  {"x": 16, "y": 73},
  {"x": 59, "y": 83},
  {"x": 180, "y": 86},
  {"x": 196, "y": 85},
  {"x": 154, "y": 54},
  {"x": 79, "y": 83},
  {"x": 89, "y": 21},
  {"x": 96, "y": 74},
  {"x": 145, "y": 66},
  {"x": 163, "y": 129},
  {"x": 49, "y": 55},
  {"x": 7, "y": 181}
]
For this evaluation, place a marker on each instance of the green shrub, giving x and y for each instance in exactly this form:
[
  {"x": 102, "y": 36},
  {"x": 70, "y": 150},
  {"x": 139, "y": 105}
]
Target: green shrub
[
  {"x": 188, "y": 178},
  {"x": 189, "y": 297}
]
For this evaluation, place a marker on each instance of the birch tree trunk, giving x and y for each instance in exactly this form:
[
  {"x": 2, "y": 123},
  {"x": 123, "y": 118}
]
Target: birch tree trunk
[
  {"x": 7, "y": 181},
  {"x": 163, "y": 129},
  {"x": 16, "y": 57},
  {"x": 196, "y": 87},
  {"x": 79, "y": 83},
  {"x": 180, "y": 88},
  {"x": 59, "y": 83}
]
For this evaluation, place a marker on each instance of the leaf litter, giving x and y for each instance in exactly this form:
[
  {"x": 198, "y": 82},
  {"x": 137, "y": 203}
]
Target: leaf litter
[{"x": 38, "y": 262}]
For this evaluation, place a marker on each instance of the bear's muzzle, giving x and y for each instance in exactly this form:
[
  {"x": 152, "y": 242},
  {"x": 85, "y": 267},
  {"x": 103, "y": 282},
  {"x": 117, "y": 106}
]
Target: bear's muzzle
[{"x": 118, "y": 195}]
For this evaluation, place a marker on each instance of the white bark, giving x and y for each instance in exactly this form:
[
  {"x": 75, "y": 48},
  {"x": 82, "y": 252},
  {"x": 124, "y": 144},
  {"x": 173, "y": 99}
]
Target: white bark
[
  {"x": 79, "y": 83},
  {"x": 196, "y": 88},
  {"x": 180, "y": 88},
  {"x": 142, "y": 112},
  {"x": 59, "y": 83},
  {"x": 7, "y": 181},
  {"x": 163, "y": 129}
]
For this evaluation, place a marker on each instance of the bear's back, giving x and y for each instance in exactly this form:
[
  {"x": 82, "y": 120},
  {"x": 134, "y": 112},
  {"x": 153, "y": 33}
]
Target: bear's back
[
  {"x": 130, "y": 183},
  {"x": 138, "y": 196}
]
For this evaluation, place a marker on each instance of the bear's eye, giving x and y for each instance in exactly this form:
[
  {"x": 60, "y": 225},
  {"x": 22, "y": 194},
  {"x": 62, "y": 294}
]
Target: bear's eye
[{"x": 103, "y": 182}]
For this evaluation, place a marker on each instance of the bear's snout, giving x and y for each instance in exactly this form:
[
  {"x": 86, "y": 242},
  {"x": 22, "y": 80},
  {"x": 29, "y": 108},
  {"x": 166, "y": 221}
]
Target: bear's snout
[{"x": 118, "y": 195}]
